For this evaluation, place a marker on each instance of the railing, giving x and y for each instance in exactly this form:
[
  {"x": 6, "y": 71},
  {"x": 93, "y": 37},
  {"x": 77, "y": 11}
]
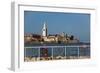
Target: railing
[{"x": 56, "y": 52}]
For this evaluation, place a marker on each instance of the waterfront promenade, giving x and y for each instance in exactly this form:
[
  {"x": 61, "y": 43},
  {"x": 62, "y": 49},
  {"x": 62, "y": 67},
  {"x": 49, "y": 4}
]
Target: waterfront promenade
[{"x": 56, "y": 52}]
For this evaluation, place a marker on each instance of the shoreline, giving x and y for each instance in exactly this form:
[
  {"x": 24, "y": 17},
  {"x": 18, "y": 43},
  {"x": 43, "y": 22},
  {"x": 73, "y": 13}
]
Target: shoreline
[
  {"x": 33, "y": 59},
  {"x": 55, "y": 44}
]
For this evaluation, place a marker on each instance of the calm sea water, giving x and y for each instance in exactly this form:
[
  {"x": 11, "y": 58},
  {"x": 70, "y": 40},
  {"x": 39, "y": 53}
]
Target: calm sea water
[{"x": 57, "y": 51}]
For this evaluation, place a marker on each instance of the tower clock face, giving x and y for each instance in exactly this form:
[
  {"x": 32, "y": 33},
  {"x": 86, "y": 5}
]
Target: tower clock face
[{"x": 43, "y": 29}]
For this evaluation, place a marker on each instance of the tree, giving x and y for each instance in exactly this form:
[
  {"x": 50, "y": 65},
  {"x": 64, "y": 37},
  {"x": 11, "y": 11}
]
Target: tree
[
  {"x": 71, "y": 37},
  {"x": 59, "y": 42},
  {"x": 66, "y": 35},
  {"x": 42, "y": 40}
]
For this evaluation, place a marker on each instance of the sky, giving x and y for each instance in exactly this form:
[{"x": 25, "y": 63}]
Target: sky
[{"x": 77, "y": 24}]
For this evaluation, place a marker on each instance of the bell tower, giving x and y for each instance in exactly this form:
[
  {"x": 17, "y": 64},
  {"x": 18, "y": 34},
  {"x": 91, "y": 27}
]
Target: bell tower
[{"x": 44, "y": 30}]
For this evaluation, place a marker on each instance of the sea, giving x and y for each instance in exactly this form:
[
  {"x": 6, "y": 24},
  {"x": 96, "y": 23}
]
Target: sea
[{"x": 62, "y": 49}]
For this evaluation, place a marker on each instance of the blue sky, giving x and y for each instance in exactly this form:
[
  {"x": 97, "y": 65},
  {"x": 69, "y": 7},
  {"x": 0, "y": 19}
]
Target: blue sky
[{"x": 77, "y": 24}]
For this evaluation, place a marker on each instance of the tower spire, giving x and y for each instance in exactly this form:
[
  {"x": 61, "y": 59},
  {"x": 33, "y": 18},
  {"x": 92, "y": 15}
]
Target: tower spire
[{"x": 44, "y": 30}]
